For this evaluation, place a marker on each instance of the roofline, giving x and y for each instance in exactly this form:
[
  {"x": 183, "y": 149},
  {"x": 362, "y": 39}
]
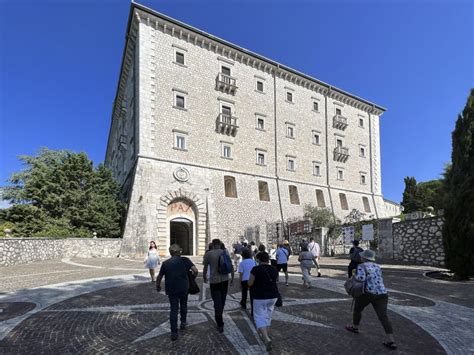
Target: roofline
[
  {"x": 387, "y": 200},
  {"x": 272, "y": 62}
]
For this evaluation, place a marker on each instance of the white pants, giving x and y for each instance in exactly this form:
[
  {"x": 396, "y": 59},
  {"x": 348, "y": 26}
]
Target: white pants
[{"x": 262, "y": 312}]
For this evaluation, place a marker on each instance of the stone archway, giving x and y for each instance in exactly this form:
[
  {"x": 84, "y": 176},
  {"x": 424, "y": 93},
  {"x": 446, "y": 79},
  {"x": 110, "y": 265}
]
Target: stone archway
[{"x": 182, "y": 217}]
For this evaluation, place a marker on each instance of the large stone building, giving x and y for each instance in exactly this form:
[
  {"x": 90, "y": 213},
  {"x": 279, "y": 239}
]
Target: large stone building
[{"x": 211, "y": 140}]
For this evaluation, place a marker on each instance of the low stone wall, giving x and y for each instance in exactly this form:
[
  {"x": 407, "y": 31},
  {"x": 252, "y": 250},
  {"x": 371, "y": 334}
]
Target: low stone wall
[
  {"x": 419, "y": 241},
  {"x": 15, "y": 251}
]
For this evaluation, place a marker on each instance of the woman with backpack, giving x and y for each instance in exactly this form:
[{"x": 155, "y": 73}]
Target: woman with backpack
[
  {"x": 374, "y": 293},
  {"x": 354, "y": 255}
]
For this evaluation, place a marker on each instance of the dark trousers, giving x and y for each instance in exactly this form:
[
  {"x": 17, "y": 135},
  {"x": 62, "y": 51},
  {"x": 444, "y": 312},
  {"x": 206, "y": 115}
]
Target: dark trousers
[
  {"x": 379, "y": 302},
  {"x": 219, "y": 294},
  {"x": 178, "y": 302},
  {"x": 352, "y": 266},
  {"x": 245, "y": 289}
]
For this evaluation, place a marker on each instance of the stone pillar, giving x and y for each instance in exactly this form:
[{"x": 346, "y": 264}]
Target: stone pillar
[{"x": 386, "y": 242}]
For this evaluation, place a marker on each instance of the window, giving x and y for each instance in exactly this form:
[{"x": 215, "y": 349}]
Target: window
[
  {"x": 290, "y": 164},
  {"x": 226, "y": 150},
  {"x": 343, "y": 200},
  {"x": 363, "y": 179},
  {"x": 290, "y": 130},
  {"x": 179, "y": 58},
  {"x": 362, "y": 151},
  {"x": 259, "y": 86},
  {"x": 365, "y": 201},
  {"x": 340, "y": 174},
  {"x": 316, "y": 138},
  {"x": 230, "y": 187},
  {"x": 361, "y": 122},
  {"x": 316, "y": 168},
  {"x": 320, "y": 198},
  {"x": 338, "y": 112},
  {"x": 339, "y": 142},
  {"x": 180, "y": 101},
  {"x": 289, "y": 96},
  {"x": 294, "y": 199},
  {"x": 225, "y": 70},
  {"x": 263, "y": 191},
  {"x": 260, "y": 123},
  {"x": 261, "y": 159},
  {"x": 315, "y": 106},
  {"x": 180, "y": 140}
]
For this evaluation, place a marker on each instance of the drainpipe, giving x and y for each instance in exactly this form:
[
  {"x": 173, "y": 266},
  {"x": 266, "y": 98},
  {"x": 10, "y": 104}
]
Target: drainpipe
[
  {"x": 327, "y": 150},
  {"x": 371, "y": 164},
  {"x": 276, "y": 149}
]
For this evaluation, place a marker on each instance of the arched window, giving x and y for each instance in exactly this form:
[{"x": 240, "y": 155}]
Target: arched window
[
  {"x": 294, "y": 198},
  {"x": 366, "y": 203},
  {"x": 320, "y": 198},
  {"x": 343, "y": 199},
  {"x": 230, "y": 186},
  {"x": 263, "y": 191}
]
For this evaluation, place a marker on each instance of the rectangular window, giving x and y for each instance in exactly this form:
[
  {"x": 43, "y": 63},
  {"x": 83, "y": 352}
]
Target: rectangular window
[
  {"x": 294, "y": 198},
  {"x": 291, "y": 164},
  {"x": 320, "y": 198},
  {"x": 361, "y": 122},
  {"x": 316, "y": 169},
  {"x": 263, "y": 193},
  {"x": 260, "y": 86},
  {"x": 338, "y": 112},
  {"x": 260, "y": 123},
  {"x": 226, "y": 151},
  {"x": 289, "y": 96},
  {"x": 316, "y": 138},
  {"x": 339, "y": 142},
  {"x": 225, "y": 70},
  {"x": 366, "y": 203},
  {"x": 180, "y": 141},
  {"x": 180, "y": 101},
  {"x": 340, "y": 174},
  {"x": 260, "y": 158},
  {"x": 290, "y": 131},
  {"x": 343, "y": 200},
  {"x": 315, "y": 106},
  {"x": 363, "y": 179},
  {"x": 180, "y": 58},
  {"x": 362, "y": 152}
]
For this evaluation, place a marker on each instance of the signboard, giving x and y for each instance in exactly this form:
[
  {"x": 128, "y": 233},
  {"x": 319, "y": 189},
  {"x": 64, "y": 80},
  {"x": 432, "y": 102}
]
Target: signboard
[
  {"x": 368, "y": 232},
  {"x": 300, "y": 227},
  {"x": 348, "y": 234}
]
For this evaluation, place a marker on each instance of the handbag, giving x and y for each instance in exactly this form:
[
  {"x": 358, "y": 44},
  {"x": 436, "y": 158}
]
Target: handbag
[
  {"x": 193, "y": 286},
  {"x": 354, "y": 287}
]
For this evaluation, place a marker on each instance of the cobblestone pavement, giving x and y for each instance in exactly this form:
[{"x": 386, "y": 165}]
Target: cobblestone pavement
[{"x": 110, "y": 306}]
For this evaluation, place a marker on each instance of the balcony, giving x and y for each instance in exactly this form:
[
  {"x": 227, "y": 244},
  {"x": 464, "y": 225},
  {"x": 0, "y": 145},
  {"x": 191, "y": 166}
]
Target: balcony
[
  {"x": 339, "y": 122},
  {"x": 341, "y": 154},
  {"x": 226, "y": 124},
  {"x": 226, "y": 83}
]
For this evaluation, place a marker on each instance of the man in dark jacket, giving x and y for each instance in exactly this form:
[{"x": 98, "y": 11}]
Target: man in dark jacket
[{"x": 175, "y": 270}]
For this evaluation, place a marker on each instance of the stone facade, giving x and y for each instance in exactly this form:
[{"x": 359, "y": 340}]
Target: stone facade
[
  {"x": 155, "y": 170},
  {"x": 15, "y": 251}
]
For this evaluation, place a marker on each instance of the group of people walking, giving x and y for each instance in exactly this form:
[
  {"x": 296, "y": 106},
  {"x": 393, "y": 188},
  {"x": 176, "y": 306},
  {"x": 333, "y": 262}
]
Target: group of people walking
[{"x": 259, "y": 274}]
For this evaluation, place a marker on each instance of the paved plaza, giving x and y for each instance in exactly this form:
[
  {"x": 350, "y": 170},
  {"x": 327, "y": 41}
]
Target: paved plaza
[{"x": 86, "y": 306}]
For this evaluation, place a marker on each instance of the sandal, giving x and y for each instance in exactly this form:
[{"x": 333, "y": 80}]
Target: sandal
[
  {"x": 269, "y": 345},
  {"x": 351, "y": 329},
  {"x": 390, "y": 344}
]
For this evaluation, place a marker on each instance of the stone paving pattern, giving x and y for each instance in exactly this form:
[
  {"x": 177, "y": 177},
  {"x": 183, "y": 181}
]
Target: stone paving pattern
[{"x": 120, "y": 312}]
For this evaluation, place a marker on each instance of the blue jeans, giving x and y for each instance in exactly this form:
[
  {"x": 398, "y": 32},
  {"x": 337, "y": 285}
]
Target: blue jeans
[{"x": 178, "y": 302}]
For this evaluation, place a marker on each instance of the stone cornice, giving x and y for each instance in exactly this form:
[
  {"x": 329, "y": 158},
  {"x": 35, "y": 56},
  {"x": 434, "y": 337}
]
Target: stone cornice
[{"x": 233, "y": 52}]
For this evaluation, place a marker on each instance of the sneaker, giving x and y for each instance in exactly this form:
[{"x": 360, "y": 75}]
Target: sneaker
[
  {"x": 286, "y": 284},
  {"x": 220, "y": 329},
  {"x": 183, "y": 326},
  {"x": 174, "y": 336},
  {"x": 319, "y": 274}
]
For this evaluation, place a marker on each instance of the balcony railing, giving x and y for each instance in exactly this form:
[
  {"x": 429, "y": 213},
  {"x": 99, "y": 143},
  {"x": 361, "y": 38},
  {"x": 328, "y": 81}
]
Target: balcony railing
[
  {"x": 341, "y": 154},
  {"x": 226, "y": 83},
  {"x": 226, "y": 124},
  {"x": 340, "y": 122}
]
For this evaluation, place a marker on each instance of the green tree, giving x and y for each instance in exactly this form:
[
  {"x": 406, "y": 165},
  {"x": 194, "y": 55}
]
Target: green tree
[
  {"x": 322, "y": 217},
  {"x": 59, "y": 193},
  {"x": 458, "y": 229},
  {"x": 431, "y": 193},
  {"x": 411, "y": 197}
]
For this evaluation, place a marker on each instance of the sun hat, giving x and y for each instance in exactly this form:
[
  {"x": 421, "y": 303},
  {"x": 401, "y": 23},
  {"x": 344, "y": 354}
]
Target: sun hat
[
  {"x": 175, "y": 248},
  {"x": 368, "y": 255}
]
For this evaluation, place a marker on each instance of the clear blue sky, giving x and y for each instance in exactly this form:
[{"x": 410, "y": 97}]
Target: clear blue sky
[{"x": 60, "y": 60}]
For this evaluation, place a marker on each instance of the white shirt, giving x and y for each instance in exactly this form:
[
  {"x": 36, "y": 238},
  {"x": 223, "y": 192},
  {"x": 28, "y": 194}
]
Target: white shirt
[
  {"x": 245, "y": 267},
  {"x": 314, "y": 248},
  {"x": 273, "y": 255}
]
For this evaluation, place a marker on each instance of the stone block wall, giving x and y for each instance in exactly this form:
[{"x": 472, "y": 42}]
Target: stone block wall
[
  {"x": 419, "y": 241},
  {"x": 15, "y": 251}
]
